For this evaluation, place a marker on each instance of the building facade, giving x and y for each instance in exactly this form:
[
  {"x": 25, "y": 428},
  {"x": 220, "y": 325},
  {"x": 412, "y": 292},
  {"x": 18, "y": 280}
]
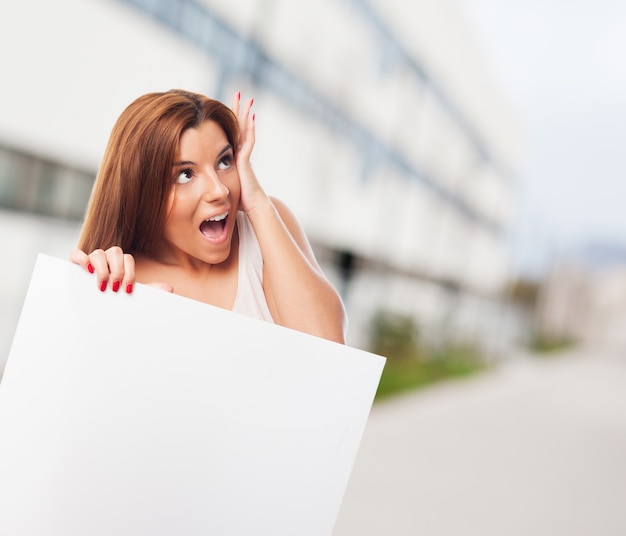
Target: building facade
[{"x": 377, "y": 122}]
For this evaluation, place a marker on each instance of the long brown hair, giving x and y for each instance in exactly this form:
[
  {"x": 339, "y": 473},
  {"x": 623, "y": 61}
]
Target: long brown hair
[{"x": 128, "y": 200}]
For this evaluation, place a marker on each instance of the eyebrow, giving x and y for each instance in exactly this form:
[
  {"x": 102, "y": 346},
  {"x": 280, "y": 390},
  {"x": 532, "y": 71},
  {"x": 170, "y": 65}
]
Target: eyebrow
[{"x": 226, "y": 149}]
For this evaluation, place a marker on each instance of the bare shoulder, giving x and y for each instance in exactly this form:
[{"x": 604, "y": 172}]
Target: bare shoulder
[
  {"x": 287, "y": 215},
  {"x": 282, "y": 208},
  {"x": 295, "y": 229}
]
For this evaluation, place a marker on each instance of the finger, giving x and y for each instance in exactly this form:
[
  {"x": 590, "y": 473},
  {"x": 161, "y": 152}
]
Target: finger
[
  {"x": 243, "y": 121},
  {"x": 78, "y": 256},
  {"x": 98, "y": 260},
  {"x": 236, "y": 100},
  {"x": 128, "y": 282},
  {"x": 115, "y": 259},
  {"x": 249, "y": 138},
  {"x": 245, "y": 113}
]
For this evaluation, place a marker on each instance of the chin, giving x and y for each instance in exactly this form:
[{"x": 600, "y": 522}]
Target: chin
[{"x": 217, "y": 257}]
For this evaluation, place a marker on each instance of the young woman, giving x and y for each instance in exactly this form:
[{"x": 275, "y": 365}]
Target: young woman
[{"x": 177, "y": 205}]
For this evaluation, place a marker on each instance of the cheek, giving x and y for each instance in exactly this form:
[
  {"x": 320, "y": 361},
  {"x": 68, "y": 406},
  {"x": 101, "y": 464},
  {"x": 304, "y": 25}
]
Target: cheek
[
  {"x": 170, "y": 202},
  {"x": 171, "y": 209}
]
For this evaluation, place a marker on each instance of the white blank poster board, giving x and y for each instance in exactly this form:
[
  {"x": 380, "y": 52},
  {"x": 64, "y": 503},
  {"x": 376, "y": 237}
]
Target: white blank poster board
[{"x": 152, "y": 414}]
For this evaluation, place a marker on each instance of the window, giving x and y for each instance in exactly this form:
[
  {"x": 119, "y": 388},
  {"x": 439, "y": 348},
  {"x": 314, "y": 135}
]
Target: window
[{"x": 33, "y": 184}]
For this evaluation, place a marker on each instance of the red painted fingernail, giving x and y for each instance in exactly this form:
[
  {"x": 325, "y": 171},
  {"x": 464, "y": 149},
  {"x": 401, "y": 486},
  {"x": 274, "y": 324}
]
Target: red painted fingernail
[
  {"x": 103, "y": 286},
  {"x": 238, "y": 95},
  {"x": 253, "y": 117},
  {"x": 251, "y": 102},
  {"x": 129, "y": 288},
  {"x": 90, "y": 268},
  {"x": 115, "y": 286}
]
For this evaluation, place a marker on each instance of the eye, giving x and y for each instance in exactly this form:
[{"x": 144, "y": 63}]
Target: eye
[
  {"x": 184, "y": 176},
  {"x": 225, "y": 162}
]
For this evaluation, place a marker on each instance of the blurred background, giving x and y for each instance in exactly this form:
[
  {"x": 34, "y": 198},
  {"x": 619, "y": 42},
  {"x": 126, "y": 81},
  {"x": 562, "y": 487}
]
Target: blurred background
[
  {"x": 383, "y": 127},
  {"x": 458, "y": 165}
]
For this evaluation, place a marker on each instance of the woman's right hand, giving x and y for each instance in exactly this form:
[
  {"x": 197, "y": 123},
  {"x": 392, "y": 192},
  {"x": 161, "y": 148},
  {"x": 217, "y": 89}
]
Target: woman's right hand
[{"x": 112, "y": 267}]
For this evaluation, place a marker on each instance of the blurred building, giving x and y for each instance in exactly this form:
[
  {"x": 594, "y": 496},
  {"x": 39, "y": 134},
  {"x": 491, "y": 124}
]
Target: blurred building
[
  {"x": 378, "y": 123},
  {"x": 583, "y": 298}
]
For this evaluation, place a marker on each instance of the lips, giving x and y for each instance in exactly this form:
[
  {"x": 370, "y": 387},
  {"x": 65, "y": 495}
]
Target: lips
[{"x": 214, "y": 227}]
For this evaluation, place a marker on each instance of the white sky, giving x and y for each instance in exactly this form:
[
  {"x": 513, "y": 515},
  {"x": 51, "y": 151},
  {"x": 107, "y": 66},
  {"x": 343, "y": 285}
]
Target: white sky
[{"x": 563, "y": 65}]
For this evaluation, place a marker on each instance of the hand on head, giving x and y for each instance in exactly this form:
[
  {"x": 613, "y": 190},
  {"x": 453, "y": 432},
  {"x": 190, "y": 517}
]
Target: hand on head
[{"x": 251, "y": 191}]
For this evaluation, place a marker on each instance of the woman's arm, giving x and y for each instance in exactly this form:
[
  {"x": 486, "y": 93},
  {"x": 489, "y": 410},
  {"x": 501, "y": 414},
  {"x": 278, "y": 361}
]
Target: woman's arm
[{"x": 298, "y": 294}]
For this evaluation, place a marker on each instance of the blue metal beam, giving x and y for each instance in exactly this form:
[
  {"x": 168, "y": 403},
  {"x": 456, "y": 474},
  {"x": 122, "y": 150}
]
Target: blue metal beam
[{"x": 243, "y": 56}]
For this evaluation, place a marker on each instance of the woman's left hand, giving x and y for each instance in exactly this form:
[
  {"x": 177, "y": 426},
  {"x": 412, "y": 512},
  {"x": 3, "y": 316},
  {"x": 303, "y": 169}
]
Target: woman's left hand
[
  {"x": 298, "y": 295},
  {"x": 252, "y": 194}
]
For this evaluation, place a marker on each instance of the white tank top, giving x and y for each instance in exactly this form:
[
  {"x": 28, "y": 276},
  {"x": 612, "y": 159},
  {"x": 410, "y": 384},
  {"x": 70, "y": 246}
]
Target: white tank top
[{"x": 250, "y": 299}]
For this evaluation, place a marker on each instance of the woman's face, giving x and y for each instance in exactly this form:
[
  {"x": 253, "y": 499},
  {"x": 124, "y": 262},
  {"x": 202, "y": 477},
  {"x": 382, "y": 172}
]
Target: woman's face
[{"x": 204, "y": 199}]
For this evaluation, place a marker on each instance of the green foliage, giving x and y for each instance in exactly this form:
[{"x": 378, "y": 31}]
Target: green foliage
[
  {"x": 394, "y": 336},
  {"x": 548, "y": 345},
  {"x": 411, "y": 365}
]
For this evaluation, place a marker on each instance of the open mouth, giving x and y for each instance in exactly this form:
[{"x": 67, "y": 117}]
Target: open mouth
[{"x": 214, "y": 227}]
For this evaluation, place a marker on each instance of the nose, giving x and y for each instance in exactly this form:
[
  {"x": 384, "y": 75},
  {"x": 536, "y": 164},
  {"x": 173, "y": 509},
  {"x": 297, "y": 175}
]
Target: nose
[{"x": 214, "y": 190}]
